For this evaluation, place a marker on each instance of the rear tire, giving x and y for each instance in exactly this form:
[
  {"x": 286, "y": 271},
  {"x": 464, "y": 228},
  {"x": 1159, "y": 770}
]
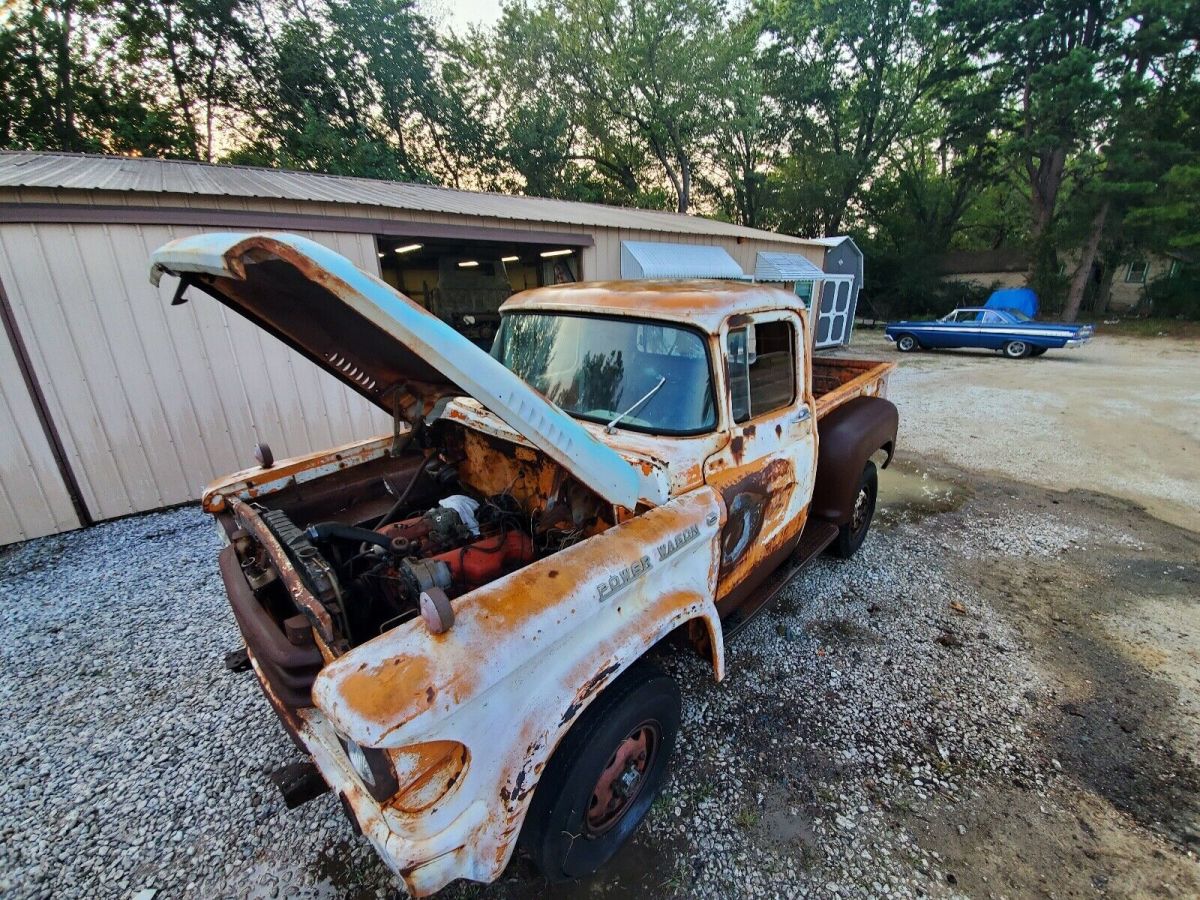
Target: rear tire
[
  {"x": 1016, "y": 349},
  {"x": 853, "y": 533},
  {"x": 604, "y": 776},
  {"x": 906, "y": 343}
]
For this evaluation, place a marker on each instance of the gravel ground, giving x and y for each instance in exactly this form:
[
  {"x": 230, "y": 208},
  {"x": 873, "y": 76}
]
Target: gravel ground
[
  {"x": 999, "y": 696},
  {"x": 883, "y": 703},
  {"x": 1120, "y": 415}
]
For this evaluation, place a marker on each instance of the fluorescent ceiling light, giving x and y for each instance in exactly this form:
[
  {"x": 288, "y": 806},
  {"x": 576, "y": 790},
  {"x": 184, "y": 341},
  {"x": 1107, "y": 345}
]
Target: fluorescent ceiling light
[
  {"x": 409, "y": 248},
  {"x": 468, "y": 264},
  {"x": 546, "y": 254},
  {"x": 510, "y": 259}
]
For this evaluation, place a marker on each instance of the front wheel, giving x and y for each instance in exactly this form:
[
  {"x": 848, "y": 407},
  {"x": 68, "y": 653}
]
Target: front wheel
[
  {"x": 604, "y": 776},
  {"x": 1016, "y": 349},
  {"x": 906, "y": 343},
  {"x": 853, "y": 533}
]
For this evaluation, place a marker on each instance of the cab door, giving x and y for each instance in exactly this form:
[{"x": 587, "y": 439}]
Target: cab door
[{"x": 765, "y": 471}]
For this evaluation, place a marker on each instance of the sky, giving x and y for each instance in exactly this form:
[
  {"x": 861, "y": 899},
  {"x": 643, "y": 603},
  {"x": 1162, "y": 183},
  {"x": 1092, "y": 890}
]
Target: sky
[{"x": 459, "y": 14}]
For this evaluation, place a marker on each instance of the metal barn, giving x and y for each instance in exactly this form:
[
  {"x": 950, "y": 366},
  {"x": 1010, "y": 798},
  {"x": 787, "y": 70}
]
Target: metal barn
[{"x": 108, "y": 401}]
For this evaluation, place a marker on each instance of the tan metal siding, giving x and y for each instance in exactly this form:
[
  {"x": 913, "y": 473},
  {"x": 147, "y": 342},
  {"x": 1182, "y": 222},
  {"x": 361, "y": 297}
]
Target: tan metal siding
[
  {"x": 33, "y": 499},
  {"x": 152, "y": 401}
]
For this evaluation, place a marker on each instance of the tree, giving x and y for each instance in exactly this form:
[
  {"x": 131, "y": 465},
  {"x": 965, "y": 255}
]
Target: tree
[
  {"x": 639, "y": 76},
  {"x": 192, "y": 54},
  {"x": 65, "y": 86},
  {"x": 366, "y": 88},
  {"x": 1051, "y": 55},
  {"x": 848, "y": 76}
]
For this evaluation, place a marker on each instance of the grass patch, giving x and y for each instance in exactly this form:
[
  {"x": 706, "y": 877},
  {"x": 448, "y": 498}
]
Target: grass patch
[
  {"x": 746, "y": 818},
  {"x": 1151, "y": 327}
]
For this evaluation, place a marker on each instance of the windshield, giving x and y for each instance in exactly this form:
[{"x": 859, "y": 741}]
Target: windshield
[{"x": 596, "y": 369}]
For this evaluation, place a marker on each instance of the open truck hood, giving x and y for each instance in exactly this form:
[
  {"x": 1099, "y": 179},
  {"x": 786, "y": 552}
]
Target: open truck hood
[{"x": 383, "y": 345}]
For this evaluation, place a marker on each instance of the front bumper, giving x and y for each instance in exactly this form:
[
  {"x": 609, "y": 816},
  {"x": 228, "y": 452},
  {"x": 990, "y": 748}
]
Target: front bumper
[{"x": 1077, "y": 342}]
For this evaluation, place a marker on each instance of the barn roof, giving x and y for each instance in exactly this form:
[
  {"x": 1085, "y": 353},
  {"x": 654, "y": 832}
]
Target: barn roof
[{"x": 68, "y": 171}]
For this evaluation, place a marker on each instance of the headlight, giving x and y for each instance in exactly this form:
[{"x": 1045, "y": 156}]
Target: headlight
[
  {"x": 414, "y": 777},
  {"x": 373, "y": 768}
]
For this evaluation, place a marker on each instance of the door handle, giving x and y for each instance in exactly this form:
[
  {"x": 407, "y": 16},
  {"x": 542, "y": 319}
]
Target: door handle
[{"x": 803, "y": 415}]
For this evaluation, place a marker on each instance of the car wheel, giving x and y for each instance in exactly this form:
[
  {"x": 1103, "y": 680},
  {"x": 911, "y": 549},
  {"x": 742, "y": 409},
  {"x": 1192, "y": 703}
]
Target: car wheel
[
  {"x": 853, "y": 533},
  {"x": 1037, "y": 351},
  {"x": 906, "y": 343},
  {"x": 602, "y": 779},
  {"x": 1016, "y": 349}
]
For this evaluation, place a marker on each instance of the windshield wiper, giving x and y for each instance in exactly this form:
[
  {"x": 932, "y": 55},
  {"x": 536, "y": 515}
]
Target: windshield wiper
[{"x": 612, "y": 426}]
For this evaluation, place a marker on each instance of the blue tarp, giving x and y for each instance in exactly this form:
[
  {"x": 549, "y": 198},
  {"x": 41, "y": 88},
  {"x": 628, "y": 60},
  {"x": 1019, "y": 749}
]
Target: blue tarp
[{"x": 1021, "y": 299}]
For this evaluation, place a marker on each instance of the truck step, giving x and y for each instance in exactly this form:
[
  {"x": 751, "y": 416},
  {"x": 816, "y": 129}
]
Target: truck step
[
  {"x": 299, "y": 782},
  {"x": 817, "y": 535}
]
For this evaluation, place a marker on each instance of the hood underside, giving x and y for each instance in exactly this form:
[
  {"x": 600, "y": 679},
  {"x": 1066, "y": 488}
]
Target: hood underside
[{"x": 383, "y": 345}]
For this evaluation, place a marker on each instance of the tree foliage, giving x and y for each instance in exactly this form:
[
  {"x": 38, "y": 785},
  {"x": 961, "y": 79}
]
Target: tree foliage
[{"x": 1066, "y": 129}]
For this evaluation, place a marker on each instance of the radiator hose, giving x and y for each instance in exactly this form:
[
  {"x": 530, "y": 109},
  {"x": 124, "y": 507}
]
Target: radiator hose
[{"x": 324, "y": 531}]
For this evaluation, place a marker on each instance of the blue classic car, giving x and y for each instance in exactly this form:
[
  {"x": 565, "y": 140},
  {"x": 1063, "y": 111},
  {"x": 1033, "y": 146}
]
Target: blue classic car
[{"x": 1008, "y": 330}]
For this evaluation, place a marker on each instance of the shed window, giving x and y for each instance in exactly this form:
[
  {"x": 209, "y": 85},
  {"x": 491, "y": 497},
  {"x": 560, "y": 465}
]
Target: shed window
[
  {"x": 762, "y": 369},
  {"x": 1136, "y": 273}
]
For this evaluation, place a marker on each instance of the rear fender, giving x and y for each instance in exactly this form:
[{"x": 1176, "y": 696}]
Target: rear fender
[
  {"x": 526, "y": 656},
  {"x": 848, "y": 437}
]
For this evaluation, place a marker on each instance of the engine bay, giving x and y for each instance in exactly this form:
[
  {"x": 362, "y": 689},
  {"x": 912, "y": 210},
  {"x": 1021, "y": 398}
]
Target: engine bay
[{"x": 456, "y": 516}]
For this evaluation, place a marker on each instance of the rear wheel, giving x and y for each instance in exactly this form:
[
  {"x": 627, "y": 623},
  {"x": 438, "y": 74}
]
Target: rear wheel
[
  {"x": 906, "y": 343},
  {"x": 602, "y": 779},
  {"x": 853, "y": 533},
  {"x": 1016, "y": 349}
]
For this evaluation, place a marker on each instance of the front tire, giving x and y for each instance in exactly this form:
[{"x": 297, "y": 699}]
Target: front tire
[
  {"x": 906, "y": 343},
  {"x": 1016, "y": 349},
  {"x": 604, "y": 776},
  {"x": 853, "y": 533}
]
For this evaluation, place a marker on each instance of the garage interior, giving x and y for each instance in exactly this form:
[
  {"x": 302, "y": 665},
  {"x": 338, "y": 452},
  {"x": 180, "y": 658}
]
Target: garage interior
[{"x": 463, "y": 283}]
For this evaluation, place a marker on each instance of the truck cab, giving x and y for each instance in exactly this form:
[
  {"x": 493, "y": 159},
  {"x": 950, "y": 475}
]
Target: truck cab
[{"x": 456, "y": 622}]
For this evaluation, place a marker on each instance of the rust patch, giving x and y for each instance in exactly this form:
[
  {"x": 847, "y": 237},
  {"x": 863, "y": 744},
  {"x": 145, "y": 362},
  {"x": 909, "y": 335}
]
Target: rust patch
[
  {"x": 373, "y": 693},
  {"x": 553, "y": 573},
  {"x": 590, "y": 687},
  {"x": 778, "y": 429}
]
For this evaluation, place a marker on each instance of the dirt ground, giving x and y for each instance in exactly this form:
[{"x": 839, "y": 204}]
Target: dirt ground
[{"x": 1120, "y": 416}]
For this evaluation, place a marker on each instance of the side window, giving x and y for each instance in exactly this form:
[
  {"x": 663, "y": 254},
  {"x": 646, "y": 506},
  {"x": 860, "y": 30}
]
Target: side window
[
  {"x": 762, "y": 369},
  {"x": 738, "y": 355},
  {"x": 991, "y": 318}
]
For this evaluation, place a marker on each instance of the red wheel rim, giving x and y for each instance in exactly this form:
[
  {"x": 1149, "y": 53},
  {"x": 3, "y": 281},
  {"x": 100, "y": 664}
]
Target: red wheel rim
[{"x": 622, "y": 780}]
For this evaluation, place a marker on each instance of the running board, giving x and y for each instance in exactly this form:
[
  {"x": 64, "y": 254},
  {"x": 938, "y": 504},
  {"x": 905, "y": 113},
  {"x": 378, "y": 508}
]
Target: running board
[{"x": 817, "y": 535}]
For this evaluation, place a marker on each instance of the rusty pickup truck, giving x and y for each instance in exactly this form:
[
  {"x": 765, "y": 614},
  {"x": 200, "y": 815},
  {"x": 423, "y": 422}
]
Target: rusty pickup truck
[{"x": 457, "y": 621}]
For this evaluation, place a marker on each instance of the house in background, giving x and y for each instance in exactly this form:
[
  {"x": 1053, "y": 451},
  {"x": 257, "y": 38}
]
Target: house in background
[{"x": 1003, "y": 268}]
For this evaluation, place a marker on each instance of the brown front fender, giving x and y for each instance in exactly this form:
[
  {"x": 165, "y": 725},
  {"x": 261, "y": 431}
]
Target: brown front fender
[{"x": 848, "y": 437}]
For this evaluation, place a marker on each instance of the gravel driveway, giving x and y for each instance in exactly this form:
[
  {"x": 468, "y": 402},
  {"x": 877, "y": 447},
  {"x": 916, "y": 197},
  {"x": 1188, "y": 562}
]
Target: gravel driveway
[{"x": 997, "y": 697}]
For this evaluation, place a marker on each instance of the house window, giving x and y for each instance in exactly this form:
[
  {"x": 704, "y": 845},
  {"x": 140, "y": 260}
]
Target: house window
[
  {"x": 804, "y": 291},
  {"x": 1136, "y": 273}
]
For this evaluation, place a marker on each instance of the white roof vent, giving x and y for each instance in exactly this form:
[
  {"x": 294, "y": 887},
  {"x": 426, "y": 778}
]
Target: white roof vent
[{"x": 649, "y": 259}]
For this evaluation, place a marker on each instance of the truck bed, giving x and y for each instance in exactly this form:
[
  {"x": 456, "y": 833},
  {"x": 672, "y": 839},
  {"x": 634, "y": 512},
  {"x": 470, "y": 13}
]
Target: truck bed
[{"x": 837, "y": 380}]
